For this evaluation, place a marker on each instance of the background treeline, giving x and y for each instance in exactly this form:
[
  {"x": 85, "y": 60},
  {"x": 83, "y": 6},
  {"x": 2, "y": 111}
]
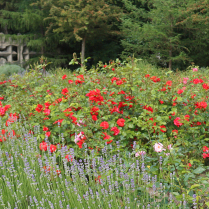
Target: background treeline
[{"x": 171, "y": 33}]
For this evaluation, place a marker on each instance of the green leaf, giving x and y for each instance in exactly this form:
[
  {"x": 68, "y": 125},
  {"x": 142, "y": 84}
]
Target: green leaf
[
  {"x": 130, "y": 125},
  {"x": 194, "y": 186},
  {"x": 199, "y": 170},
  {"x": 179, "y": 99},
  {"x": 176, "y": 193}
]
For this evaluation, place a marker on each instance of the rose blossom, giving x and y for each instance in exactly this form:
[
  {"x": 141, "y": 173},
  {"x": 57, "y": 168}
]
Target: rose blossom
[
  {"x": 121, "y": 122},
  {"x": 43, "y": 146},
  {"x": 104, "y": 125},
  {"x": 78, "y": 137},
  {"x": 158, "y": 147},
  {"x": 115, "y": 130},
  {"x": 69, "y": 157},
  {"x": 177, "y": 122},
  {"x": 140, "y": 153},
  {"x": 170, "y": 146},
  {"x": 185, "y": 80},
  {"x": 53, "y": 148}
]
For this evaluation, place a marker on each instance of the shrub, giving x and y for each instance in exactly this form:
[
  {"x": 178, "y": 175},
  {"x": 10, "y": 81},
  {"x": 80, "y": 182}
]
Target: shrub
[{"x": 9, "y": 70}]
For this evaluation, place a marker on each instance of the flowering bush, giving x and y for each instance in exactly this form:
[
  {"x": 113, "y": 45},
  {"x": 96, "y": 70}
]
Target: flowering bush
[{"x": 126, "y": 104}]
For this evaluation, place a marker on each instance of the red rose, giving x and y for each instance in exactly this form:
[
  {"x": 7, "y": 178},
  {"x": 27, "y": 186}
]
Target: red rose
[
  {"x": 177, "y": 122},
  {"x": 69, "y": 158},
  {"x": 64, "y": 76},
  {"x": 45, "y": 128},
  {"x": 205, "y": 155},
  {"x": 106, "y": 136},
  {"x": 201, "y": 105},
  {"x": 119, "y": 82},
  {"x": 94, "y": 117},
  {"x": 104, "y": 125},
  {"x": 64, "y": 91},
  {"x": 205, "y": 86},
  {"x": 189, "y": 165},
  {"x": 169, "y": 83},
  {"x": 148, "y": 108},
  {"x": 116, "y": 130},
  {"x": 43, "y": 146},
  {"x": 186, "y": 117},
  {"x": 121, "y": 122},
  {"x": 109, "y": 142},
  {"x": 58, "y": 121},
  {"x": 80, "y": 143},
  {"x": 180, "y": 91},
  {"x": 47, "y": 111},
  {"x": 163, "y": 129},
  {"x": 58, "y": 172},
  {"x": 205, "y": 149},
  {"x": 39, "y": 108},
  {"x": 53, "y": 148},
  {"x": 175, "y": 131},
  {"x": 48, "y": 134}
]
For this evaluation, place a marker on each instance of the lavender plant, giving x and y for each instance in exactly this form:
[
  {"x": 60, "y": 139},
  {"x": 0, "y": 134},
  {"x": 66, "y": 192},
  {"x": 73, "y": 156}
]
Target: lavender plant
[{"x": 113, "y": 179}]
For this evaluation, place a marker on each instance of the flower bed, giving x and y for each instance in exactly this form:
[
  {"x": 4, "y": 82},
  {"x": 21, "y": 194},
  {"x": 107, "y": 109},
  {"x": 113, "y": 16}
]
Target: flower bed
[{"x": 159, "y": 118}]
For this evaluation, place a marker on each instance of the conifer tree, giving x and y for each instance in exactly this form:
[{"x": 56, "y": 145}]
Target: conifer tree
[
  {"x": 196, "y": 31},
  {"x": 9, "y": 10},
  {"x": 83, "y": 20},
  {"x": 27, "y": 19},
  {"x": 162, "y": 31}
]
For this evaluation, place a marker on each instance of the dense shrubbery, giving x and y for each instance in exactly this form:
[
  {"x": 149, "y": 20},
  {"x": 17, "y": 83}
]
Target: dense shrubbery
[
  {"x": 161, "y": 116},
  {"x": 8, "y": 70}
]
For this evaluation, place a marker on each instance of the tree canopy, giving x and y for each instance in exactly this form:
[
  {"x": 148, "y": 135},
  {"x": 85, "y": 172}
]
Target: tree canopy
[{"x": 167, "y": 33}]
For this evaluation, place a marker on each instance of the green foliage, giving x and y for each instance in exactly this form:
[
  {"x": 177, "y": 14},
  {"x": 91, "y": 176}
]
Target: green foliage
[
  {"x": 172, "y": 34},
  {"x": 166, "y": 33},
  {"x": 9, "y": 70},
  {"x": 82, "y": 20},
  {"x": 27, "y": 19}
]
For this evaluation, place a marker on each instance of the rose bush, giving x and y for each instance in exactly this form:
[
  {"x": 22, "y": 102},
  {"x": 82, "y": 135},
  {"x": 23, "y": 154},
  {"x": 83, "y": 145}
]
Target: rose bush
[{"x": 102, "y": 106}]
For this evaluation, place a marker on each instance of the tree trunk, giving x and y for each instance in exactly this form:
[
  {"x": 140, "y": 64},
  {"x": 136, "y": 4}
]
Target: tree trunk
[
  {"x": 42, "y": 50},
  {"x": 170, "y": 61},
  {"x": 83, "y": 51},
  {"x": 5, "y": 29},
  {"x": 42, "y": 32}
]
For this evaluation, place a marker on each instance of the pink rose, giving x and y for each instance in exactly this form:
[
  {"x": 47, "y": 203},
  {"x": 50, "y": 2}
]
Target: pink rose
[
  {"x": 140, "y": 153},
  {"x": 158, "y": 147},
  {"x": 185, "y": 80}
]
